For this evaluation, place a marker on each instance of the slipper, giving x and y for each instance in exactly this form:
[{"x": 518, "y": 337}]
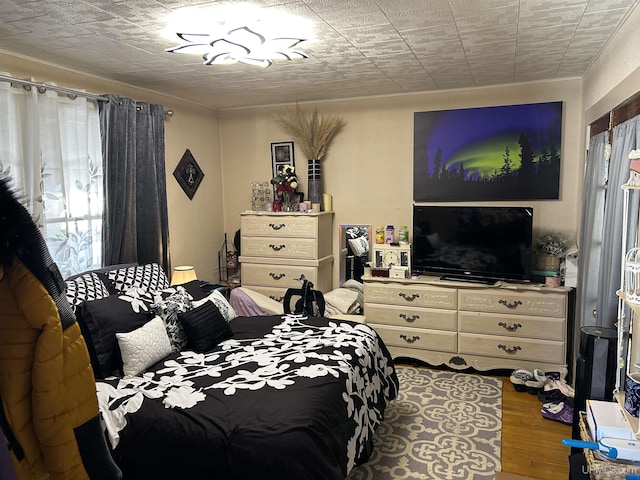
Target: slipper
[
  {"x": 551, "y": 396},
  {"x": 558, "y": 412},
  {"x": 565, "y": 388},
  {"x": 519, "y": 379},
  {"x": 534, "y": 386}
]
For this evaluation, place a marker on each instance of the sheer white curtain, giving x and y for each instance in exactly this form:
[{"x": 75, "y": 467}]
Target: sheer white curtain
[{"x": 50, "y": 148}]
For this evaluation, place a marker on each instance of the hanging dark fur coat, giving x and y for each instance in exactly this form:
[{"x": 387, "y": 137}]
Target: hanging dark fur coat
[{"x": 49, "y": 409}]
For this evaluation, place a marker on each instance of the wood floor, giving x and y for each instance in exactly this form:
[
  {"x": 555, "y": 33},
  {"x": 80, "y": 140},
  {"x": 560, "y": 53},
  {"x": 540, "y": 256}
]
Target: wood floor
[{"x": 531, "y": 445}]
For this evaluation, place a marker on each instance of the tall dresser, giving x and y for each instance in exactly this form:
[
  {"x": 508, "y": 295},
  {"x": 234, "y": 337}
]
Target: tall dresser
[{"x": 279, "y": 250}]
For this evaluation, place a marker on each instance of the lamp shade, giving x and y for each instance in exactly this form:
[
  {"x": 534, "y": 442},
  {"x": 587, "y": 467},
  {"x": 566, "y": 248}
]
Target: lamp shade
[{"x": 183, "y": 274}]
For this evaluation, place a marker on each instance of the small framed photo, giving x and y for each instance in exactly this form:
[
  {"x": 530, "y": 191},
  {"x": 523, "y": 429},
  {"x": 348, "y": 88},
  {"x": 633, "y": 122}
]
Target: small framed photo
[{"x": 281, "y": 155}]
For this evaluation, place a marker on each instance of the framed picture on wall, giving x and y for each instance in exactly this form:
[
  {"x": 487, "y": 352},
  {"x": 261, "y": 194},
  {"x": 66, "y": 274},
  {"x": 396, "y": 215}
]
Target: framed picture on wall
[
  {"x": 509, "y": 152},
  {"x": 281, "y": 155}
]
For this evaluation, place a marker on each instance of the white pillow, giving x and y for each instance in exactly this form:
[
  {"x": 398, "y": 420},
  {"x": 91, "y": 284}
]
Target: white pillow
[
  {"x": 219, "y": 301},
  {"x": 359, "y": 246},
  {"x": 143, "y": 347}
]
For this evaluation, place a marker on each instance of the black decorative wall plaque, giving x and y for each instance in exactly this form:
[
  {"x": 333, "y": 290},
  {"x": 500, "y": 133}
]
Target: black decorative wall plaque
[{"x": 188, "y": 174}]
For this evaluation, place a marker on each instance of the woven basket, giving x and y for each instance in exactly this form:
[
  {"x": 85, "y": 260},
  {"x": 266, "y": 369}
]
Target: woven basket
[
  {"x": 548, "y": 263},
  {"x": 601, "y": 468}
]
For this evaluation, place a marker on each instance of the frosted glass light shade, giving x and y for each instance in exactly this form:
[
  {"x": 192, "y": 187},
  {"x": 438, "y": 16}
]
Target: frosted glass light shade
[{"x": 183, "y": 274}]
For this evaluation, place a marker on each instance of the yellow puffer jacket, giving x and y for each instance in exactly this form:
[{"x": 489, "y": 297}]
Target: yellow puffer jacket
[{"x": 47, "y": 386}]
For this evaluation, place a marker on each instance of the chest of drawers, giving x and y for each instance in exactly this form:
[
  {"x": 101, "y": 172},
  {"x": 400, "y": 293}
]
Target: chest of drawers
[
  {"x": 462, "y": 325},
  {"x": 279, "y": 250}
]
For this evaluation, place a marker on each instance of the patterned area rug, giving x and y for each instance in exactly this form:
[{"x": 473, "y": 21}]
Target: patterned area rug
[{"x": 443, "y": 426}]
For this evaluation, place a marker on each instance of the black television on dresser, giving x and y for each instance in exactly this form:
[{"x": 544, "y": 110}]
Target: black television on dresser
[{"x": 473, "y": 243}]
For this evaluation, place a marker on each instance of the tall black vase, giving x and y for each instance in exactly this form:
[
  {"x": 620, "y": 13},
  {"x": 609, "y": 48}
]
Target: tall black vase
[{"x": 314, "y": 184}]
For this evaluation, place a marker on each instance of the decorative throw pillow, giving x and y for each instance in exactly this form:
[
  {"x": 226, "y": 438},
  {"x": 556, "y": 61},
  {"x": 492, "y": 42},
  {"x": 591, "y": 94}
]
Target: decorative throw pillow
[
  {"x": 143, "y": 347},
  {"x": 168, "y": 309},
  {"x": 99, "y": 322},
  {"x": 205, "y": 327},
  {"x": 148, "y": 277},
  {"x": 359, "y": 246},
  {"x": 194, "y": 289},
  {"x": 85, "y": 287},
  {"x": 221, "y": 302}
]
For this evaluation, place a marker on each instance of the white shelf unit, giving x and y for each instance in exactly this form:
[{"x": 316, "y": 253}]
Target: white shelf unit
[{"x": 628, "y": 347}]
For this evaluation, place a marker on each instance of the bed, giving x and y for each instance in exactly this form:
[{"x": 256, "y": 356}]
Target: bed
[{"x": 234, "y": 397}]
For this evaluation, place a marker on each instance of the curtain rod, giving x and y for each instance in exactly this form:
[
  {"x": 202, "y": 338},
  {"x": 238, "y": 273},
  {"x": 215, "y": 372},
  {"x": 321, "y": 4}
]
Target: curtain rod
[{"x": 42, "y": 87}]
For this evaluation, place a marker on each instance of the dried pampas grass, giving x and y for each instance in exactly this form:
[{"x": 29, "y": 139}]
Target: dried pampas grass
[{"x": 313, "y": 133}]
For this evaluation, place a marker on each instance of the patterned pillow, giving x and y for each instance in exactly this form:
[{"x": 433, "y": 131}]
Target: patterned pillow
[
  {"x": 143, "y": 347},
  {"x": 168, "y": 309},
  {"x": 148, "y": 277},
  {"x": 85, "y": 287},
  {"x": 219, "y": 301}
]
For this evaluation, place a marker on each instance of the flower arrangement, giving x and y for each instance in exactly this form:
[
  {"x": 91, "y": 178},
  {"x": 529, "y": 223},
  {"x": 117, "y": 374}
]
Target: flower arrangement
[
  {"x": 553, "y": 244},
  {"x": 286, "y": 181},
  {"x": 313, "y": 133}
]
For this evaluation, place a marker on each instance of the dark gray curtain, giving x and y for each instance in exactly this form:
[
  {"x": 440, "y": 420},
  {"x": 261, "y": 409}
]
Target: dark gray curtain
[
  {"x": 601, "y": 249},
  {"x": 590, "y": 238},
  {"x": 135, "y": 219}
]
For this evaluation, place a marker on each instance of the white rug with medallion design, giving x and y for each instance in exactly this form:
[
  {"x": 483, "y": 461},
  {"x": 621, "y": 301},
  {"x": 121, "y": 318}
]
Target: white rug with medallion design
[{"x": 443, "y": 426}]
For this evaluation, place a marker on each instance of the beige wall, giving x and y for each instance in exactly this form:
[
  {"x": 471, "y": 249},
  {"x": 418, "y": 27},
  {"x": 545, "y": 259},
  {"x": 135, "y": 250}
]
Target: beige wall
[
  {"x": 615, "y": 76},
  {"x": 369, "y": 168},
  {"x": 196, "y": 227}
]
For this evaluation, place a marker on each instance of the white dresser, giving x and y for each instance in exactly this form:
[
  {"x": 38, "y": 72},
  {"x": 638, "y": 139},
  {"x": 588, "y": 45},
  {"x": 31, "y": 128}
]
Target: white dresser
[
  {"x": 463, "y": 325},
  {"x": 278, "y": 250}
]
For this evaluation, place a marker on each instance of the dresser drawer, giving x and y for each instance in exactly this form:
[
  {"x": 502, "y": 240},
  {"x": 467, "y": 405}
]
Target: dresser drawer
[
  {"x": 411, "y": 295},
  {"x": 416, "y": 338},
  {"x": 283, "y": 225},
  {"x": 280, "y": 247},
  {"x": 431, "y": 318},
  {"x": 281, "y": 276},
  {"x": 515, "y": 303},
  {"x": 512, "y": 325},
  {"x": 544, "y": 351}
]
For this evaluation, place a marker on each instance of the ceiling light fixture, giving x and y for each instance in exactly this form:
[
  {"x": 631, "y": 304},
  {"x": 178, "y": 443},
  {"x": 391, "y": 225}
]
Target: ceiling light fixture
[{"x": 242, "y": 33}]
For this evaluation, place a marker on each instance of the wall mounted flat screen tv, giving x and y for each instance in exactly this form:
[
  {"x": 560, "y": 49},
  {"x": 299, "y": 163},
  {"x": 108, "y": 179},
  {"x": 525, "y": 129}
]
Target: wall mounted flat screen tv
[{"x": 478, "y": 244}]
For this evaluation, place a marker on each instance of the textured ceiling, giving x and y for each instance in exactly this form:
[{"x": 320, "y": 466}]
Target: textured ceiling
[{"x": 362, "y": 47}]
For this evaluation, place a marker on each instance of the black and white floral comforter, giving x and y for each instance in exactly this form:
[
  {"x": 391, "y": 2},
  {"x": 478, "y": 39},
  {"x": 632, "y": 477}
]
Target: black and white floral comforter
[{"x": 287, "y": 397}]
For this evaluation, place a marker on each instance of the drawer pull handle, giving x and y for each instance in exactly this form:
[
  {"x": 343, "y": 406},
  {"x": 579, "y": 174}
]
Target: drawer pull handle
[
  {"x": 409, "y": 340},
  {"x": 277, "y": 299},
  {"x": 276, "y": 276},
  {"x": 409, "y": 298},
  {"x": 410, "y": 319},
  {"x": 511, "y": 328},
  {"x": 510, "y": 305},
  {"x": 277, "y": 248},
  {"x": 277, "y": 227},
  {"x": 301, "y": 278},
  {"x": 511, "y": 350}
]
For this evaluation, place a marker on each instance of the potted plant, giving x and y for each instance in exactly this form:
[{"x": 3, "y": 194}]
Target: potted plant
[{"x": 550, "y": 248}]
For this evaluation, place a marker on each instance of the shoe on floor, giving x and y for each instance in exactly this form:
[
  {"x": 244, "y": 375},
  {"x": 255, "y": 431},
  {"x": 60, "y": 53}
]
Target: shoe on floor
[
  {"x": 519, "y": 379},
  {"x": 558, "y": 412},
  {"x": 551, "y": 396}
]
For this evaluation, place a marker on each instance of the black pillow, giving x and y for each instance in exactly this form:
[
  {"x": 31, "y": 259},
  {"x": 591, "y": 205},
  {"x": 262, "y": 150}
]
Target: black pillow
[
  {"x": 194, "y": 289},
  {"x": 99, "y": 322},
  {"x": 205, "y": 327}
]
